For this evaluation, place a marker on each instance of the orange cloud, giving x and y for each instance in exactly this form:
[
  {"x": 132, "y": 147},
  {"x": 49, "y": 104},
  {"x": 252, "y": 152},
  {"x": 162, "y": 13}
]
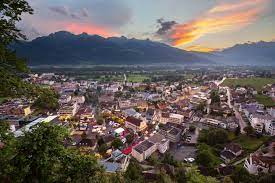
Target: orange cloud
[
  {"x": 79, "y": 28},
  {"x": 221, "y": 18},
  {"x": 236, "y": 6},
  {"x": 200, "y": 48}
]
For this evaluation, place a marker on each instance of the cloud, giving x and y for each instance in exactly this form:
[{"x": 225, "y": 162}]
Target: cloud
[
  {"x": 234, "y": 6},
  {"x": 165, "y": 26},
  {"x": 60, "y": 10},
  {"x": 104, "y": 16},
  {"x": 200, "y": 48},
  {"x": 79, "y": 28},
  {"x": 110, "y": 13},
  {"x": 74, "y": 15},
  {"x": 84, "y": 12},
  {"x": 221, "y": 18}
]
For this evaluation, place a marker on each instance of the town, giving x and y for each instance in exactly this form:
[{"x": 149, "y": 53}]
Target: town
[{"x": 219, "y": 119}]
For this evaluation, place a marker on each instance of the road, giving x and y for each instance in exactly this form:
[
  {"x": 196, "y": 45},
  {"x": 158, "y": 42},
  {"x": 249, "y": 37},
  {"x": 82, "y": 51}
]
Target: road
[{"x": 242, "y": 123}]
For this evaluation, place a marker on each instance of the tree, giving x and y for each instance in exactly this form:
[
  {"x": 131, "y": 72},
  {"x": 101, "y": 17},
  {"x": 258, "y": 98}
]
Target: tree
[
  {"x": 181, "y": 175},
  {"x": 227, "y": 180},
  {"x": 192, "y": 128},
  {"x": 241, "y": 175},
  {"x": 10, "y": 14},
  {"x": 193, "y": 176},
  {"x": 266, "y": 178},
  {"x": 214, "y": 96},
  {"x": 117, "y": 143},
  {"x": 130, "y": 138},
  {"x": 169, "y": 159},
  {"x": 201, "y": 107},
  {"x": 133, "y": 173},
  {"x": 40, "y": 156},
  {"x": 205, "y": 158},
  {"x": 238, "y": 131},
  {"x": 102, "y": 149},
  {"x": 217, "y": 136},
  {"x": 249, "y": 130},
  {"x": 154, "y": 159},
  {"x": 48, "y": 100}
]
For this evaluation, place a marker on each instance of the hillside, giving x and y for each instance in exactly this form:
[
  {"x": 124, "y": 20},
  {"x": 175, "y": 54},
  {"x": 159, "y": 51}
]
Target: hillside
[
  {"x": 259, "y": 53},
  {"x": 63, "y": 48}
]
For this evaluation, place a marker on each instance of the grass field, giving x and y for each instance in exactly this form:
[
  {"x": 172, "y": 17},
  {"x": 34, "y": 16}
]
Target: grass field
[
  {"x": 2, "y": 99},
  {"x": 250, "y": 144},
  {"x": 265, "y": 100},
  {"x": 256, "y": 83},
  {"x": 137, "y": 78}
]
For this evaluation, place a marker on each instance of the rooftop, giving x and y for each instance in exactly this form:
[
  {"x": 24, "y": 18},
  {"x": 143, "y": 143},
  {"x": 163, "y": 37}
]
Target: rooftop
[{"x": 144, "y": 146}]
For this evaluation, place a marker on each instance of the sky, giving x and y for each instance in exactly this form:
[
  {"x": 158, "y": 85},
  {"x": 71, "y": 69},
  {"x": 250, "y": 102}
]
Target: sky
[{"x": 197, "y": 25}]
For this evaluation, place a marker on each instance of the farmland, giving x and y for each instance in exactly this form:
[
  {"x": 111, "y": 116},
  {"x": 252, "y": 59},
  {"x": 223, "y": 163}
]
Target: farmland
[{"x": 256, "y": 83}]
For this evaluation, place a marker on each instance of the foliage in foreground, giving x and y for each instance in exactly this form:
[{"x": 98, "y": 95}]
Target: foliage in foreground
[{"x": 40, "y": 156}]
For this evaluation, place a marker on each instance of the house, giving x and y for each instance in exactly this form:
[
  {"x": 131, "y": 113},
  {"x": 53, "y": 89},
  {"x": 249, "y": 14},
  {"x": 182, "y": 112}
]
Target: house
[
  {"x": 230, "y": 152},
  {"x": 88, "y": 143},
  {"x": 172, "y": 133},
  {"x": 260, "y": 162},
  {"x": 258, "y": 121},
  {"x": 171, "y": 117},
  {"x": 69, "y": 109},
  {"x": 142, "y": 104},
  {"x": 226, "y": 169},
  {"x": 135, "y": 124},
  {"x": 270, "y": 127},
  {"x": 118, "y": 162},
  {"x": 78, "y": 99},
  {"x": 161, "y": 142},
  {"x": 150, "y": 114},
  {"x": 126, "y": 104},
  {"x": 143, "y": 150}
]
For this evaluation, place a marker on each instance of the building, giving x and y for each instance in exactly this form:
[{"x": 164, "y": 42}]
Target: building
[
  {"x": 126, "y": 104},
  {"x": 230, "y": 152},
  {"x": 78, "y": 99},
  {"x": 173, "y": 134},
  {"x": 89, "y": 144},
  {"x": 260, "y": 162},
  {"x": 135, "y": 124},
  {"x": 258, "y": 121},
  {"x": 143, "y": 150},
  {"x": 270, "y": 128},
  {"x": 148, "y": 147},
  {"x": 69, "y": 110},
  {"x": 171, "y": 117},
  {"x": 161, "y": 142},
  {"x": 118, "y": 162}
]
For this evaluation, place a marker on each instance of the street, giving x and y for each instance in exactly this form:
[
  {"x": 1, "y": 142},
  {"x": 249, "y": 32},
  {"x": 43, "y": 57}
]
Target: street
[{"x": 242, "y": 123}]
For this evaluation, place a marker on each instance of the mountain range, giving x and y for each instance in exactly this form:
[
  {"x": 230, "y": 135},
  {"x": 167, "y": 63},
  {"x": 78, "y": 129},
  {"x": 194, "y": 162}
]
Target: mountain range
[{"x": 65, "y": 48}]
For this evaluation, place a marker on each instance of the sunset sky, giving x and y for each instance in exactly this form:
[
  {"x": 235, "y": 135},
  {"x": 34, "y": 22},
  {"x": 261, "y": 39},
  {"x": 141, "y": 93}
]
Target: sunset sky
[{"x": 201, "y": 25}]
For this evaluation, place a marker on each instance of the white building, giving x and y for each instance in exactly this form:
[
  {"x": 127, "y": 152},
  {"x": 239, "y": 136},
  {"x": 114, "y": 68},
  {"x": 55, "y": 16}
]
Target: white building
[{"x": 270, "y": 127}]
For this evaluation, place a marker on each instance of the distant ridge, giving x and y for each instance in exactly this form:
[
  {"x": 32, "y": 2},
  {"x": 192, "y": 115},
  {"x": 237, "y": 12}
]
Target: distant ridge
[
  {"x": 65, "y": 48},
  {"x": 258, "y": 53}
]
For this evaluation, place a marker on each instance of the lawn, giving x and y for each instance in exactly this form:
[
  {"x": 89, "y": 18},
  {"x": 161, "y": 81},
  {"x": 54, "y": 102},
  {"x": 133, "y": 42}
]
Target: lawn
[
  {"x": 265, "y": 100},
  {"x": 2, "y": 99},
  {"x": 137, "y": 78},
  {"x": 250, "y": 144},
  {"x": 256, "y": 83}
]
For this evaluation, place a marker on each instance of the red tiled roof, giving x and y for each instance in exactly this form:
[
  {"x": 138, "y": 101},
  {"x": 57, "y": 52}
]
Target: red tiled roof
[{"x": 133, "y": 120}]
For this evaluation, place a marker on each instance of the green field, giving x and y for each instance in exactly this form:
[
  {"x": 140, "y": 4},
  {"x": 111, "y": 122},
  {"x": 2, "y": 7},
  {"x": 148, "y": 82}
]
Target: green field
[
  {"x": 256, "y": 83},
  {"x": 265, "y": 100},
  {"x": 250, "y": 144},
  {"x": 136, "y": 78},
  {"x": 2, "y": 99}
]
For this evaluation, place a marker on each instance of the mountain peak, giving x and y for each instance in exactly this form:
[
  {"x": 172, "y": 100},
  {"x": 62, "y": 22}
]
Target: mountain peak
[{"x": 61, "y": 48}]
